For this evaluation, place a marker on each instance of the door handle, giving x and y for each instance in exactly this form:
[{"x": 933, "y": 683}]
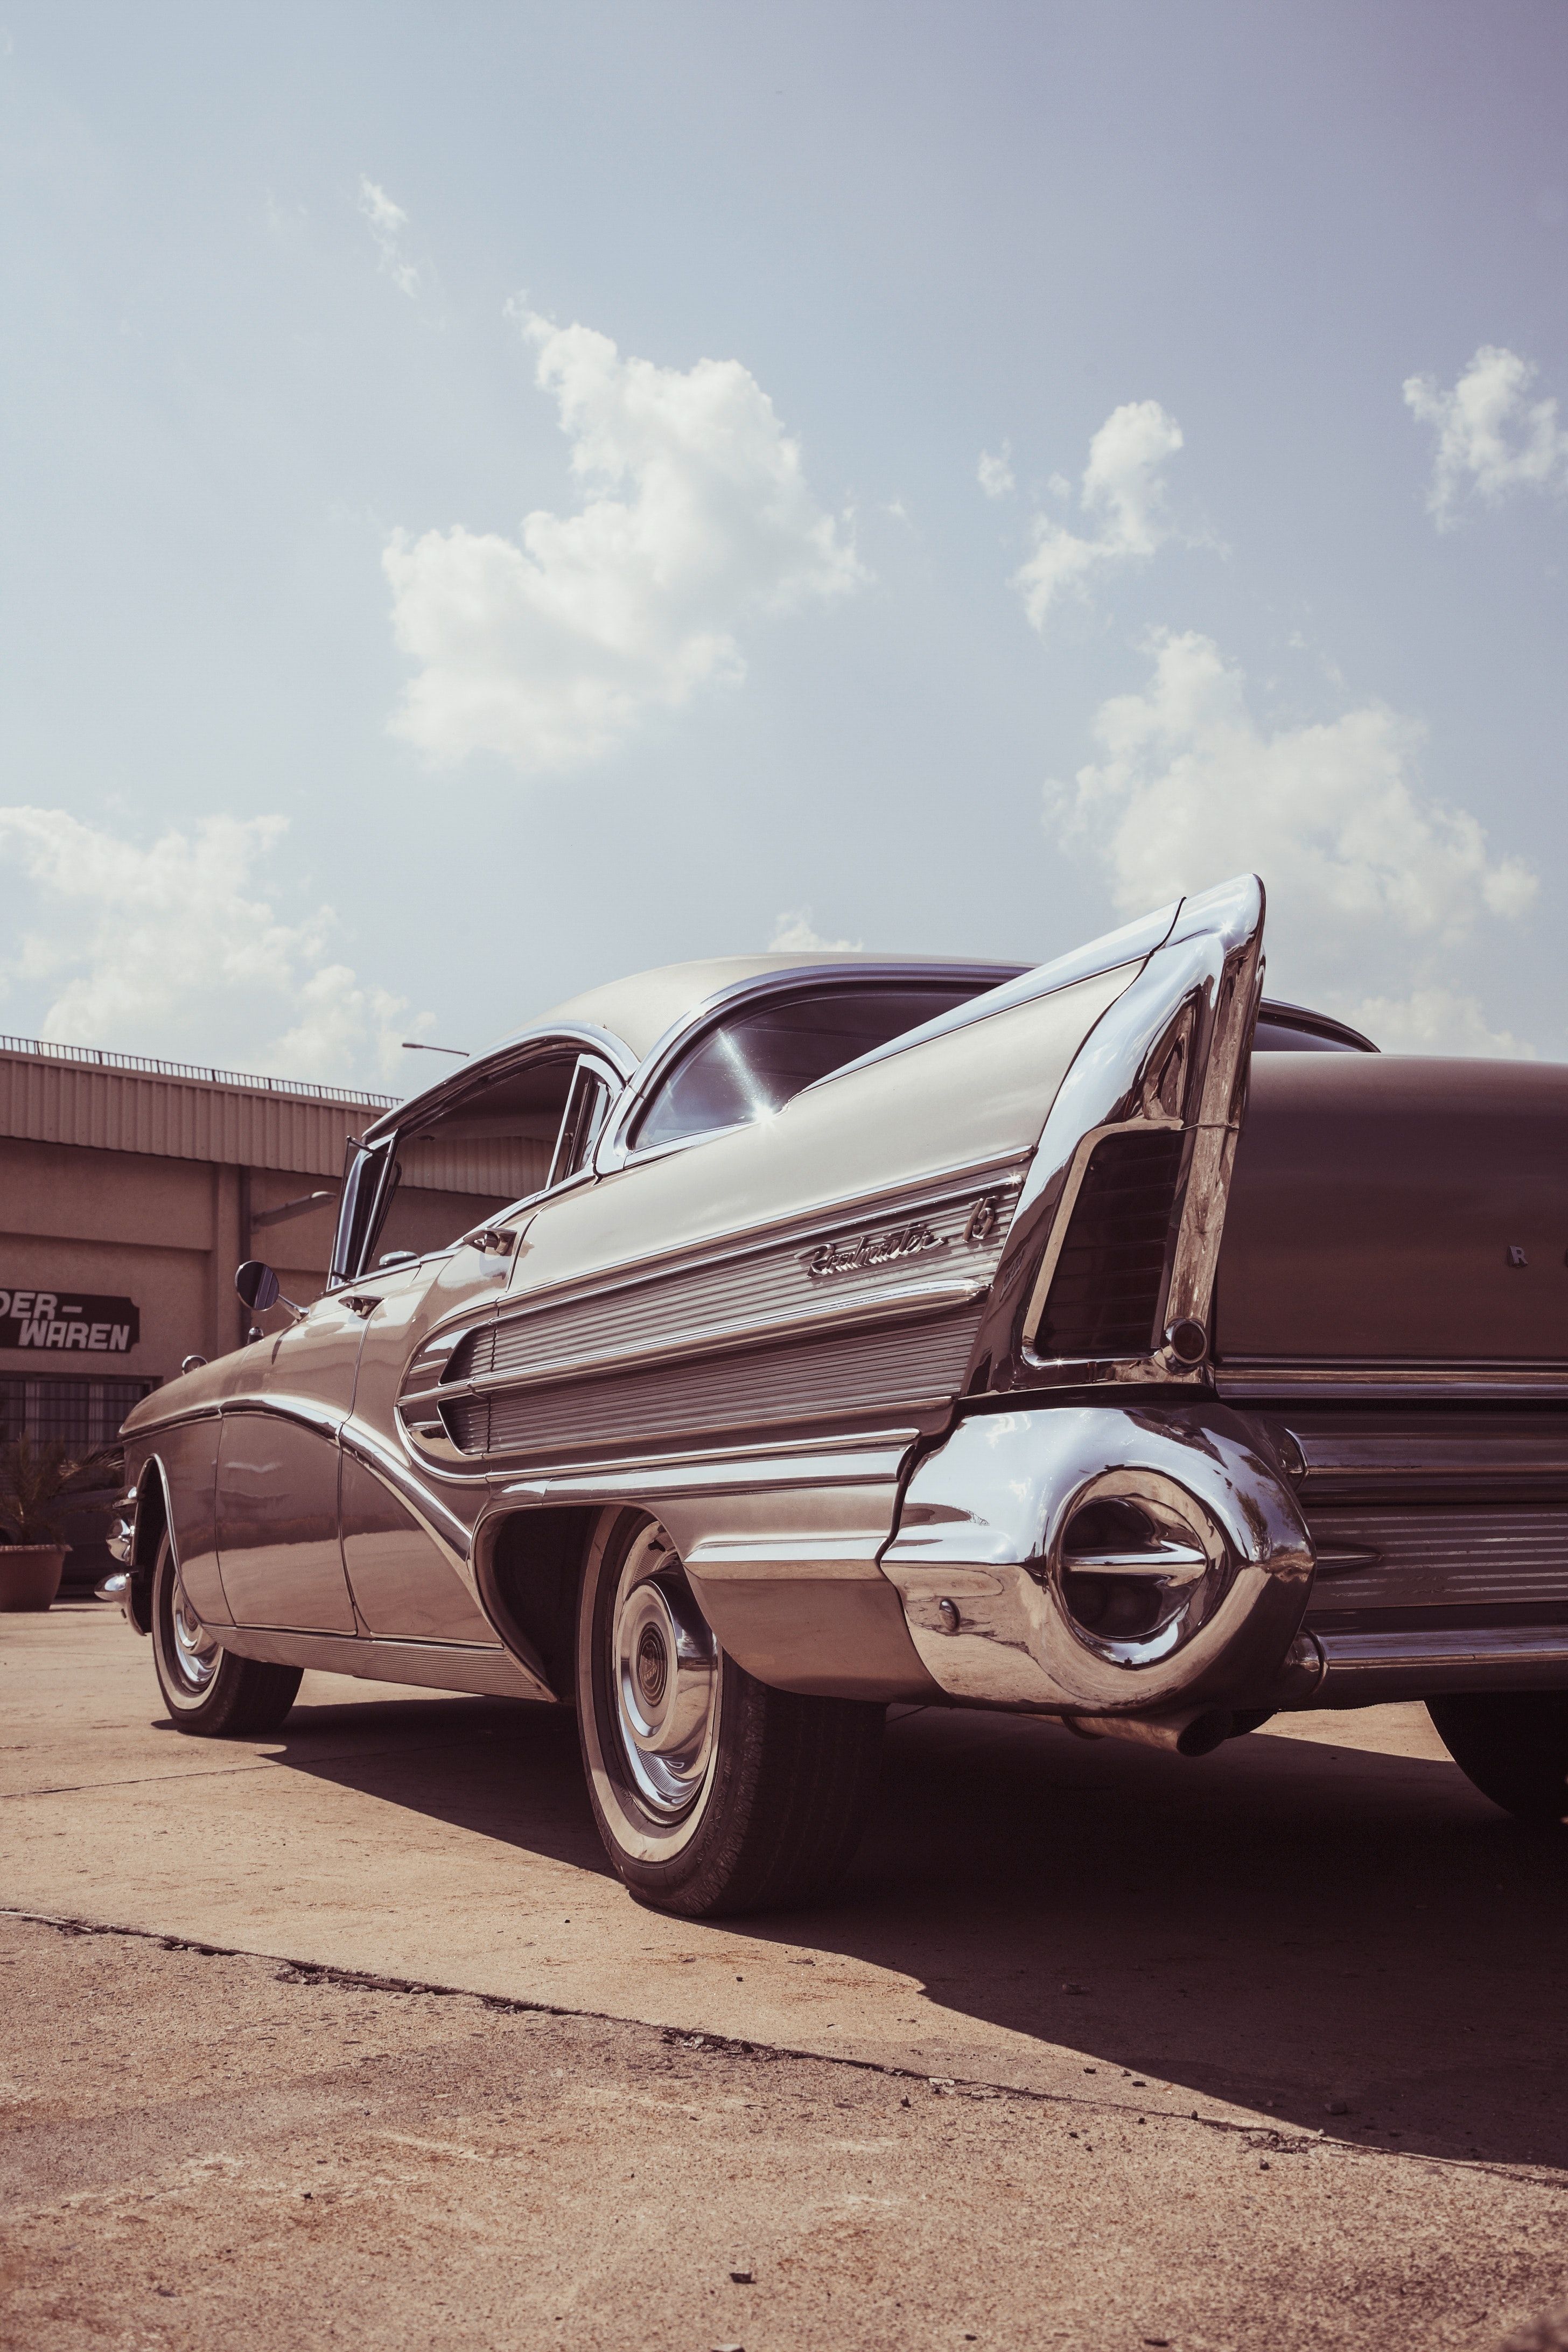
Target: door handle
[
  {"x": 490, "y": 1240},
  {"x": 363, "y": 1302}
]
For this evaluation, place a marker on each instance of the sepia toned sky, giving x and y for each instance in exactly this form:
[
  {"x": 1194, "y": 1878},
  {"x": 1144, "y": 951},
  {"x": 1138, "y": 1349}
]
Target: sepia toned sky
[{"x": 497, "y": 497}]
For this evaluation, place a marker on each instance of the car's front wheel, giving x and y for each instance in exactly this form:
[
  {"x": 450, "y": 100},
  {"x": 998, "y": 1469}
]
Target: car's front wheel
[
  {"x": 1513, "y": 1745},
  {"x": 714, "y": 1793},
  {"x": 208, "y": 1690}
]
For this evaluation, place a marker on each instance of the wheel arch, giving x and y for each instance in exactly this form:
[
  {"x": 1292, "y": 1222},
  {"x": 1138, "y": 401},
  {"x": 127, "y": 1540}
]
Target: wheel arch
[
  {"x": 528, "y": 1565},
  {"x": 152, "y": 1522}
]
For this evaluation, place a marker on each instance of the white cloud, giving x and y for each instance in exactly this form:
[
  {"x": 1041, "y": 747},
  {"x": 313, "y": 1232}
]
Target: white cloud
[
  {"x": 794, "y": 929},
  {"x": 1490, "y": 440},
  {"x": 696, "y": 517},
  {"x": 995, "y": 473},
  {"x": 1364, "y": 873},
  {"x": 1122, "y": 487},
  {"x": 173, "y": 950},
  {"x": 387, "y": 222},
  {"x": 1435, "y": 1021}
]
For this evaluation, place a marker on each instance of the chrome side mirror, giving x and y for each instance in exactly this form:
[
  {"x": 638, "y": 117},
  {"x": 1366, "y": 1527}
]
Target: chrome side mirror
[{"x": 258, "y": 1287}]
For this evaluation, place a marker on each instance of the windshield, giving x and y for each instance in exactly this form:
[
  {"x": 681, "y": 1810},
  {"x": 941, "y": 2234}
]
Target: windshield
[{"x": 755, "y": 1063}]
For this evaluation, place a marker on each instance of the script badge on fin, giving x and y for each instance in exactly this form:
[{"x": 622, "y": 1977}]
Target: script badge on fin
[{"x": 871, "y": 1250}]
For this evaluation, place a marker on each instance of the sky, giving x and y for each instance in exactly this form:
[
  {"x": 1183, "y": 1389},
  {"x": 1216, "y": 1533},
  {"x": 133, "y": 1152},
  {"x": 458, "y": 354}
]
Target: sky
[{"x": 496, "y": 497}]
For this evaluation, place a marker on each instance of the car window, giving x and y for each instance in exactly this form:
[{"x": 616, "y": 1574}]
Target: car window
[
  {"x": 753, "y": 1063},
  {"x": 492, "y": 1146},
  {"x": 586, "y": 1103}
]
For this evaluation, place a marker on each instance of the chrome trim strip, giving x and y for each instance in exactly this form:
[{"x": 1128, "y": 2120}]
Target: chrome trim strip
[
  {"x": 496, "y": 1672},
  {"x": 449, "y": 1533},
  {"x": 926, "y": 1195},
  {"x": 1365, "y": 1669},
  {"x": 582, "y": 1036},
  {"x": 162, "y": 1421},
  {"x": 1258, "y": 1380},
  {"x": 869, "y": 1458},
  {"x": 310, "y": 1413},
  {"x": 1349, "y": 1455},
  {"x": 899, "y": 1303},
  {"x": 1133, "y": 943}
]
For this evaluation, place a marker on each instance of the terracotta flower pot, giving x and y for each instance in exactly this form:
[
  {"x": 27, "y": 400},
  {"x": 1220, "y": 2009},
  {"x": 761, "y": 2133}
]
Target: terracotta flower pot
[{"x": 30, "y": 1574}]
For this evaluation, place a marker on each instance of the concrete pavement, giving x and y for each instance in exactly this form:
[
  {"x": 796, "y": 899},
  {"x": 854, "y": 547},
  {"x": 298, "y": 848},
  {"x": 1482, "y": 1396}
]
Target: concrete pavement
[{"x": 1320, "y": 1942}]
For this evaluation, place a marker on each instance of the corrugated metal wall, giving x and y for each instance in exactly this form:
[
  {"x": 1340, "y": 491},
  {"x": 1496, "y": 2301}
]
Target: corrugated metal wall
[
  {"x": 506, "y": 1167},
  {"x": 50, "y": 1101}
]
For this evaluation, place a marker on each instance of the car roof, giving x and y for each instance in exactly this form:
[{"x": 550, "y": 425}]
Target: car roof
[{"x": 640, "y": 1009}]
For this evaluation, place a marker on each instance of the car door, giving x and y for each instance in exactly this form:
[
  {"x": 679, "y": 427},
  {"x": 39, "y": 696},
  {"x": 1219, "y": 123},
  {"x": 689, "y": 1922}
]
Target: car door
[
  {"x": 277, "y": 1465},
  {"x": 406, "y": 1524},
  {"x": 403, "y": 1536}
]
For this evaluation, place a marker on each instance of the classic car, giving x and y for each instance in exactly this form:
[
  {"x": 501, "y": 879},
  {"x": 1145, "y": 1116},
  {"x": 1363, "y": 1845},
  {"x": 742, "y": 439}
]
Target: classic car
[{"x": 748, "y": 1346}]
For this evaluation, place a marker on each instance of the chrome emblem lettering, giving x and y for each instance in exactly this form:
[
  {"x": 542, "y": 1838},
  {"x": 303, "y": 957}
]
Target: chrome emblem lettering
[
  {"x": 982, "y": 1222},
  {"x": 870, "y": 1251}
]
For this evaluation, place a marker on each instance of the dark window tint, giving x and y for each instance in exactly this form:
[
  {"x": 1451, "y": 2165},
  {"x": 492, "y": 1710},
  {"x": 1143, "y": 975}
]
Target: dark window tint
[{"x": 756, "y": 1063}]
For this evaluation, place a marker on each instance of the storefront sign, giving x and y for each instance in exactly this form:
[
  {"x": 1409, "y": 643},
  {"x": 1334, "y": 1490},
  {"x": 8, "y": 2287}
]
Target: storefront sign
[{"x": 68, "y": 1322}]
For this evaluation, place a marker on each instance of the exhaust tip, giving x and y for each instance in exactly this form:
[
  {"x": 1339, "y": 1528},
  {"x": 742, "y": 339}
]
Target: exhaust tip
[{"x": 1205, "y": 1732}]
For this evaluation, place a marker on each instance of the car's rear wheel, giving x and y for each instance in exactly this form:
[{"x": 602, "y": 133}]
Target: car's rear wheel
[
  {"x": 1513, "y": 1745},
  {"x": 714, "y": 1793},
  {"x": 208, "y": 1690}
]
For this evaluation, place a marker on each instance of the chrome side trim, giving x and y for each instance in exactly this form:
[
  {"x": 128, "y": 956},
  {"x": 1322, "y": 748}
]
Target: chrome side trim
[
  {"x": 1368, "y": 1669},
  {"x": 1259, "y": 1381},
  {"x": 310, "y": 1413},
  {"x": 861, "y": 1459},
  {"x": 748, "y": 1299},
  {"x": 481, "y": 1673},
  {"x": 867, "y": 1375},
  {"x": 937, "y": 1190},
  {"x": 898, "y": 1304},
  {"x": 1332, "y": 1456},
  {"x": 984, "y": 1529},
  {"x": 445, "y": 1527},
  {"x": 1385, "y": 1558},
  {"x": 153, "y": 1425}
]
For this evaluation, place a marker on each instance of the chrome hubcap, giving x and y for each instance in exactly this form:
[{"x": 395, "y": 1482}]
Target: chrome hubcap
[
  {"x": 664, "y": 1665},
  {"x": 196, "y": 1652}
]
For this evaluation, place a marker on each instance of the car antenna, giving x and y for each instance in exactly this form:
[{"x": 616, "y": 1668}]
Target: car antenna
[{"x": 417, "y": 1046}]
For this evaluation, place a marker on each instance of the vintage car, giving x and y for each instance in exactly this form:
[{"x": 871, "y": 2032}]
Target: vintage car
[{"x": 748, "y": 1346}]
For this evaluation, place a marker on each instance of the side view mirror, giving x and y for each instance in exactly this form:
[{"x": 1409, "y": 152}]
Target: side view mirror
[{"x": 257, "y": 1285}]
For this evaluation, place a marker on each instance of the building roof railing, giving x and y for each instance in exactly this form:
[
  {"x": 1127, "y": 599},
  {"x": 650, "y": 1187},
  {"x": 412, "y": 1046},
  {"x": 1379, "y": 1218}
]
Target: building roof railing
[{"x": 99, "y": 1058}]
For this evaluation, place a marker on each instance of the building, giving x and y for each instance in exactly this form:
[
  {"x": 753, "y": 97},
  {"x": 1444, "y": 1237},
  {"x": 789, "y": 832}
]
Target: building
[{"x": 130, "y": 1190}]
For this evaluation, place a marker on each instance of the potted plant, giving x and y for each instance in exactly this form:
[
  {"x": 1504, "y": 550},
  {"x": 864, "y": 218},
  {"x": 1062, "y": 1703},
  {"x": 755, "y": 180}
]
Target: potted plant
[{"x": 36, "y": 1484}]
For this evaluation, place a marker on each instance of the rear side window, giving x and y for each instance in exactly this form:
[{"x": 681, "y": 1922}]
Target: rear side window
[{"x": 752, "y": 1065}]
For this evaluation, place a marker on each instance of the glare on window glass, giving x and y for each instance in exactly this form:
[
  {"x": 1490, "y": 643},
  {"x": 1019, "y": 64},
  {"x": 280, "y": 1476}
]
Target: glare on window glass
[{"x": 754, "y": 1064}]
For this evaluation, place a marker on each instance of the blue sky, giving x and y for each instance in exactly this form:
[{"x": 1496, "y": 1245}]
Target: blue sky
[{"x": 494, "y": 499}]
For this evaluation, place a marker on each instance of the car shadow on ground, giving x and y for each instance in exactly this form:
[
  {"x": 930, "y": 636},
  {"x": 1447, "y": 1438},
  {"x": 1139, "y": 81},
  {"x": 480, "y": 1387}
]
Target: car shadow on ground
[
  {"x": 500, "y": 1768},
  {"x": 1351, "y": 1942}
]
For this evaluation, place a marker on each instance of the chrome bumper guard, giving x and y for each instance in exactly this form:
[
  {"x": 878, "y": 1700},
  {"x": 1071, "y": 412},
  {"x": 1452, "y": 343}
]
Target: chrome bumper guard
[{"x": 1136, "y": 1569}]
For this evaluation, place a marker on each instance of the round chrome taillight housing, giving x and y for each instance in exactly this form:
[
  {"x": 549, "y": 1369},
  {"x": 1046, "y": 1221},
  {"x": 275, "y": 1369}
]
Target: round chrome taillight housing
[{"x": 1137, "y": 1565}]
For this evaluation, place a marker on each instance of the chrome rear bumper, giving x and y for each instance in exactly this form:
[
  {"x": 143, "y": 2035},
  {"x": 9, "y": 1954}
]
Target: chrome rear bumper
[{"x": 1102, "y": 1561}]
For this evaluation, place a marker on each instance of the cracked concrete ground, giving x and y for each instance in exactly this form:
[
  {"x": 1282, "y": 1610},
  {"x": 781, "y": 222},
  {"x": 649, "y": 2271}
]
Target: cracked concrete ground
[{"x": 1261, "y": 2050}]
